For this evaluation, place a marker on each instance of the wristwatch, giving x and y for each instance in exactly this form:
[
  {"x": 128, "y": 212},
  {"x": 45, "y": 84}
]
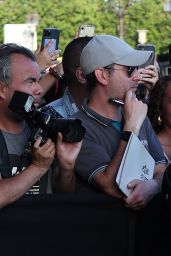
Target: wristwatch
[{"x": 125, "y": 135}]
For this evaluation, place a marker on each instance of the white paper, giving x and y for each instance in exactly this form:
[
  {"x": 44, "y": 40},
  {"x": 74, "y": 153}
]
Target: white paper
[{"x": 136, "y": 163}]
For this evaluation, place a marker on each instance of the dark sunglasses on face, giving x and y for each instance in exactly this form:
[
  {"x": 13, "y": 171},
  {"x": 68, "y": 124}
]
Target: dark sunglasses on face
[{"x": 130, "y": 69}]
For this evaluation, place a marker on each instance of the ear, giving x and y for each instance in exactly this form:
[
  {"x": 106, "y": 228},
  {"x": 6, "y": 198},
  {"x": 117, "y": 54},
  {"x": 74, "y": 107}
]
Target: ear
[
  {"x": 2, "y": 90},
  {"x": 101, "y": 76},
  {"x": 80, "y": 76}
]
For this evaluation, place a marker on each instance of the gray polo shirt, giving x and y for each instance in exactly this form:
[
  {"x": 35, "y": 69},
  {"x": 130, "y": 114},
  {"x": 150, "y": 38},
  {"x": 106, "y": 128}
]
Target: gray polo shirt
[{"x": 101, "y": 142}]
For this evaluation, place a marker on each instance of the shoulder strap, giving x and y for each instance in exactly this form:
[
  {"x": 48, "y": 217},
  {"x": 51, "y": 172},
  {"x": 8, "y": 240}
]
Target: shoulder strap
[{"x": 4, "y": 159}]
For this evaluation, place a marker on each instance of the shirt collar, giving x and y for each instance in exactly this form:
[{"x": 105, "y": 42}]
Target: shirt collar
[
  {"x": 69, "y": 103},
  {"x": 92, "y": 114}
]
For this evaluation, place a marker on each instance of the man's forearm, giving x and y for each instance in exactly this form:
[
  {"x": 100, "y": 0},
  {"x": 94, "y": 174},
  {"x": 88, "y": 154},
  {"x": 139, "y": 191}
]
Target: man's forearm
[
  {"x": 65, "y": 180},
  {"x": 106, "y": 180},
  {"x": 13, "y": 188},
  {"x": 112, "y": 169}
]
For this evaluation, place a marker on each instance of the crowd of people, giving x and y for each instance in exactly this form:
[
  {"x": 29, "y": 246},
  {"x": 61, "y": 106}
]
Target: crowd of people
[{"x": 93, "y": 71}]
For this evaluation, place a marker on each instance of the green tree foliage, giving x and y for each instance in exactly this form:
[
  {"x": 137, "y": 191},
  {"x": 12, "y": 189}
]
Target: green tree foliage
[
  {"x": 120, "y": 8},
  {"x": 104, "y": 14},
  {"x": 63, "y": 14},
  {"x": 149, "y": 15},
  {"x": 143, "y": 14}
]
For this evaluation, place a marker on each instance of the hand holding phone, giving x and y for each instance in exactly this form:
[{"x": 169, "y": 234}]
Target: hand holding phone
[
  {"x": 146, "y": 79},
  {"x": 50, "y": 34},
  {"x": 46, "y": 54}
]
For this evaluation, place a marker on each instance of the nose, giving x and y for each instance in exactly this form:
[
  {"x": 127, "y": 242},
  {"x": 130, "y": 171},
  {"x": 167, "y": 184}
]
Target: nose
[
  {"x": 37, "y": 89},
  {"x": 37, "y": 92}
]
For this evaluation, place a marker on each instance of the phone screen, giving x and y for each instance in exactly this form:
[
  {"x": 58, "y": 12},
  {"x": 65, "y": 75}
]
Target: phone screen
[{"x": 53, "y": 45}]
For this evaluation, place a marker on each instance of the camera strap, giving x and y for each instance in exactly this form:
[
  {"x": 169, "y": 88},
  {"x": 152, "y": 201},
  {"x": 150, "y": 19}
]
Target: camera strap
[{"x": 4, "y": 159}]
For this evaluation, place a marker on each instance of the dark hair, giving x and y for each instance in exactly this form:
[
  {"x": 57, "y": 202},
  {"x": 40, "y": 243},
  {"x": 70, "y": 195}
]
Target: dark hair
[
  {"x": 155, "y": 102},
  {"x": 71, "y": 58},
  {"x": 6, "y": 50},
  {"x": 92, "y": 80}
]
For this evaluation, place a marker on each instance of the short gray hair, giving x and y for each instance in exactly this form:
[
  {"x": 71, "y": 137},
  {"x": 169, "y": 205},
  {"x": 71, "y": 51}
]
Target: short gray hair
[{"x": 6, "y": 50}]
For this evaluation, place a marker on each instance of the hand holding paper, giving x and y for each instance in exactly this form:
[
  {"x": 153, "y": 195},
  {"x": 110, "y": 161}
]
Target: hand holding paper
[{"x": 136, "y": 163}]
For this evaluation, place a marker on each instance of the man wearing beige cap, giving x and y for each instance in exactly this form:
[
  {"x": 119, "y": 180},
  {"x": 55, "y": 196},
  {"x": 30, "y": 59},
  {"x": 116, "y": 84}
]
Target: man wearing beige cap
[{"x": 110, "y": 114}]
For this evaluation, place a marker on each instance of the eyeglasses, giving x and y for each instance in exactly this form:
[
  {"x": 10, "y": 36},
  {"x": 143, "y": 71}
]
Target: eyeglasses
[{"x": 129, "y": 69}]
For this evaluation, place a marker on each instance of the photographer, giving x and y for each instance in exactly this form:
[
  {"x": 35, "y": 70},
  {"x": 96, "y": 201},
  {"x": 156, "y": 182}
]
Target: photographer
[
  {"x": 20, "y": 169},
  {"x": 109, "y": 65}
]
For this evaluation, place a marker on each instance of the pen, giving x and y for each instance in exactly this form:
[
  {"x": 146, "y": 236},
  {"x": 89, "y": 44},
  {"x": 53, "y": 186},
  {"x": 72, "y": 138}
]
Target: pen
[{"x": 111, "y": 100}]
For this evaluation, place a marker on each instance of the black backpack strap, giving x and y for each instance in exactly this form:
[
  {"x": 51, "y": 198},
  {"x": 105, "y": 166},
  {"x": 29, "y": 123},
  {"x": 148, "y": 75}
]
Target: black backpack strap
[{"x": 4, "y": 159}]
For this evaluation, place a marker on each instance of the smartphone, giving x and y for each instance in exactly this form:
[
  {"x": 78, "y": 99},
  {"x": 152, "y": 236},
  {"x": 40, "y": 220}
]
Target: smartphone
[
  {"x": 148, "y": 47},
  {"x": 48, "y": 34},
  {"x": 86, "y": 30}
]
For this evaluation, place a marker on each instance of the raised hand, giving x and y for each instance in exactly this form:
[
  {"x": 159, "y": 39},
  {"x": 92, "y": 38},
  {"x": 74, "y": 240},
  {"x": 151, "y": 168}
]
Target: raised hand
[
  {"x": 67, "y": 152},
  {"x": 134, "y": 113},
  {"x": 147, "y": 76},
  {"x": 44, "y": 58}
]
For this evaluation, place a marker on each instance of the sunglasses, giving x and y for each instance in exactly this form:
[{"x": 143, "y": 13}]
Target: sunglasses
[{"x": 130, "y": 69}]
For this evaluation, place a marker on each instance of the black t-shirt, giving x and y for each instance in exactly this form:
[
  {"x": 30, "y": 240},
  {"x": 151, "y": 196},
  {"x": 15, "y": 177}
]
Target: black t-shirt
[{"x": 14, "y": 158}]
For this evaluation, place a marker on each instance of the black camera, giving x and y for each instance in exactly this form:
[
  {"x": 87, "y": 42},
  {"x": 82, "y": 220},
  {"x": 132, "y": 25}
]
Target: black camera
[{"x": 46, "y": 122}]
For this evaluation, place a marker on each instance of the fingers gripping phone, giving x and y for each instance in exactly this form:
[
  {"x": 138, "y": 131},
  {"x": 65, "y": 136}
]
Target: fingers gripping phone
[
  {"x": 142, "y": 91},
  {"x": 148, "y": 47},
  {"x": 48, "y": 34},
  {"x": 86, "y": 30}
]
